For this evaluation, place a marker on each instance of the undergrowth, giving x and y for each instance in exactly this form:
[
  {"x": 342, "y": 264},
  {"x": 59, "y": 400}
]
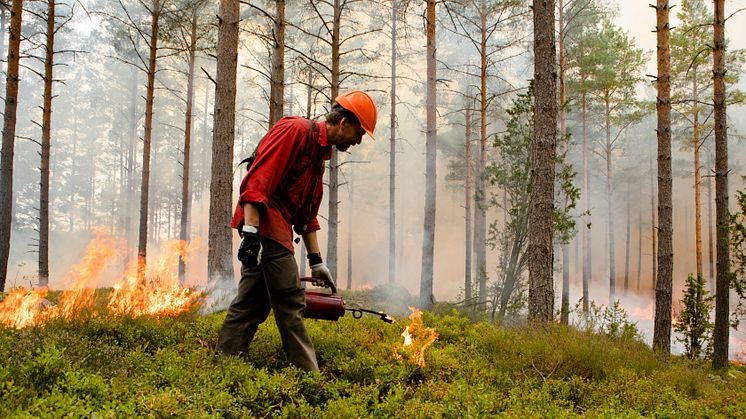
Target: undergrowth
[{"x": 107, "y": 367}]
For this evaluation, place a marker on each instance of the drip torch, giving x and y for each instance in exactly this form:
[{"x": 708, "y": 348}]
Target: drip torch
[{"x": 331, "y": 306}]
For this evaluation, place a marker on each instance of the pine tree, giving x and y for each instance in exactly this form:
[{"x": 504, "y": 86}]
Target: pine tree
[{"x": 694, "y": 319}]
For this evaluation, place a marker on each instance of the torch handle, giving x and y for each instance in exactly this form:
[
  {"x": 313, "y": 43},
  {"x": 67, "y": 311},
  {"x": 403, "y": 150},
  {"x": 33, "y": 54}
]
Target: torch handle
[{"x": 317, "y": 283}]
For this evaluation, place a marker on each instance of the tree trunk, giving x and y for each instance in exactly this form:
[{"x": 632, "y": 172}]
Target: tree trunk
[
  {"x": 142, "y": 241},
  {"x": 697, "y": 179},
  {"x": 639, "y": 245},
  {"x": 467, "y": 205},
  {"x": 541, "y": 207},
  {"x": 627, "y": 247},
  {"x": 309, "y": 113},
  {"x": 586, "y": 229},
  {"x": 350, "y": 211},
  {"x": 481, "y": 195},
  {"x": 277, "y": 82},
  {"x": 653, "y": 230},
  {"x": 333, "y": 233},
  {"x": 610, "y": 213},
  {"x": 46, "y": 144},
  {"x": 711, "y": 246},
  {"x": 186, "y": 198},
  {"x": 663, "y": 291},
  {"x": 722, "y": 292},
  {"x": 565, "y": 304},
  {"x": 512, "y": 273},
  {"x": 428, "y": 237},
  {"x": 219, "y": 255},
  {"x": 392, "y": 151},
  {"x": 9, "y": 137}
]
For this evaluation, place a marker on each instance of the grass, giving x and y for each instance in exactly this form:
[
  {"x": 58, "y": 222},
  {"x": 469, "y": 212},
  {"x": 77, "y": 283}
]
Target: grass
[{"x": 145, "y": 367}]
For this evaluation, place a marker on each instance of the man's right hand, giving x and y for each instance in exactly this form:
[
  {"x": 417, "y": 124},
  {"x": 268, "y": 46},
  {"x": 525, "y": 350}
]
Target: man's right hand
[{"x": 250, "y": 250}]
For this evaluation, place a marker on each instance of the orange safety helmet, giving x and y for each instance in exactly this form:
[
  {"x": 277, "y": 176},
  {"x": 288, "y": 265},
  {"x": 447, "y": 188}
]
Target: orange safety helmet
[{"x": 361, "y": 104}]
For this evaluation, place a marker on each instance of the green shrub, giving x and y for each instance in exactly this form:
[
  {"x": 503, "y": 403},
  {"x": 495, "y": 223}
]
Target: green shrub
[{"x": 107, "y": 367}]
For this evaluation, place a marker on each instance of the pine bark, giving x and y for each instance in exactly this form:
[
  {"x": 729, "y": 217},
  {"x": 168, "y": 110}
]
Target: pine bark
[
  {"x": 722, "y": 290},
  {"x": 277, "y": 82},
  {"x": 46, "y": 140},
  {"x": 219, "y": 255},
  {"x": 392, "y": 150},
  {"x": 428, "y": 241},
  {"x": 663, "y": 288},
  {"x": 541, "y": 208},
  {"x": 186, "y": 198},
  {"x": 9, "y": 136}
]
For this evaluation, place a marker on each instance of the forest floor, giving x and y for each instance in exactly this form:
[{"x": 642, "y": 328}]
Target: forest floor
[{"x": 145, "y": 367}]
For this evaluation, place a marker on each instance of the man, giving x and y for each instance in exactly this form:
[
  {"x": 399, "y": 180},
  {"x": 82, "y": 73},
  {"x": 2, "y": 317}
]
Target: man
[{"x": 282, "y": 192}]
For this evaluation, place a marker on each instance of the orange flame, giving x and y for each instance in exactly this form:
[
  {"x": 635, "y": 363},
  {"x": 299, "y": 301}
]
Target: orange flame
[
  {"x": 85, "y": 276},
  {"x": 643, "y": 313},
  {"x": 23, "y": 307},
  {"x": 417, "y": 337},
  {"x": 157, "y": 293}
]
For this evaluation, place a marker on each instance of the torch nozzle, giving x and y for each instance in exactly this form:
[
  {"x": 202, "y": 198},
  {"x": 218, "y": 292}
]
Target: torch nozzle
[{"x": 358, "y": 313}]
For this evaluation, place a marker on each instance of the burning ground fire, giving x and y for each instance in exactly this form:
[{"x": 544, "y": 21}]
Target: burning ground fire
[
  {"x": 157, "y": 293},
  {"x": 417, "y": 338}
]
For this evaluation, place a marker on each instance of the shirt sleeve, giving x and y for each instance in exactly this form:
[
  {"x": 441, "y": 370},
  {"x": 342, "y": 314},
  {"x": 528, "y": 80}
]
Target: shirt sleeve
[{"x": 275, "y": 156}]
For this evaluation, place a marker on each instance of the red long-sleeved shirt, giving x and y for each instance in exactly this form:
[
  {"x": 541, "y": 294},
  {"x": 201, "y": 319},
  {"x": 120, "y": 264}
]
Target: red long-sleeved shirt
[{"x": 285, "y": 181}]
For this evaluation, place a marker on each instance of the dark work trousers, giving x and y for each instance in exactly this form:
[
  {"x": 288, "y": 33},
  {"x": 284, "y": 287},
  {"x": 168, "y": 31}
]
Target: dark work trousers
[{"x": 273, "y": 284}]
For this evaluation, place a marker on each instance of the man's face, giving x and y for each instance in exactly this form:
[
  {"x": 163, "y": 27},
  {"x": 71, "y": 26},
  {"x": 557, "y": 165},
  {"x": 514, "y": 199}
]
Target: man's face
[{"x": 349, "y": 134}]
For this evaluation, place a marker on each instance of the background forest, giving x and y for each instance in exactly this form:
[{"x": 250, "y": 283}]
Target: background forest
[{"x": 133, "y": 88}]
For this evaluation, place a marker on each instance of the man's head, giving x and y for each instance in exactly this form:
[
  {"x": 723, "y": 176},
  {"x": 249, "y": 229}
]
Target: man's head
[{"x": 353, "y": 114}]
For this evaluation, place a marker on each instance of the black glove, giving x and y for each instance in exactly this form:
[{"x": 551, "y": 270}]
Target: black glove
[{"x": 250, "y": 250}]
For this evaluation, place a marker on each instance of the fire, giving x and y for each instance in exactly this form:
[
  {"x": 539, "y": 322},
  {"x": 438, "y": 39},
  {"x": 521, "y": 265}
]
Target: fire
[
  {"x": 417, "y": 337},
  {"x": 84, "y": 277},
  {"x": 23, "y": 307},
  {"x": 157, "y": 293},
  {"x": 643, "y": 313}
]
